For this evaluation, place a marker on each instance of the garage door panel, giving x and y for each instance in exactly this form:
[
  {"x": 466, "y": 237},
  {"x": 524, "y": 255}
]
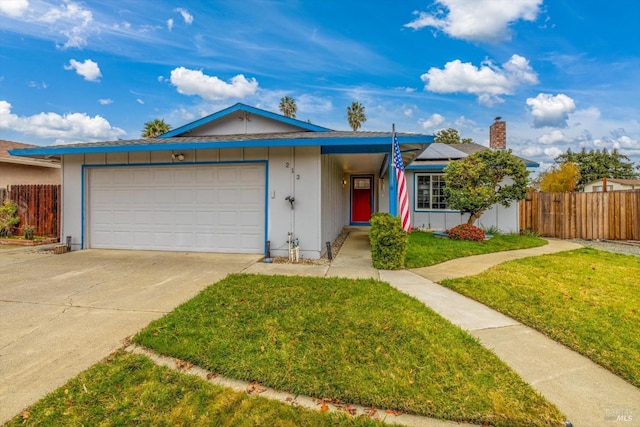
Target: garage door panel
[{"x": 213, "y": 208}]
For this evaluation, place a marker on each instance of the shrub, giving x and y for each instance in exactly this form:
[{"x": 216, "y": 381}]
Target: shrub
[
  {"x": 28, "y": 232},
  {"x": 388, "y": 240},
  {"x": 466, "y": 232},
  {"x": 8, "y": 218}
]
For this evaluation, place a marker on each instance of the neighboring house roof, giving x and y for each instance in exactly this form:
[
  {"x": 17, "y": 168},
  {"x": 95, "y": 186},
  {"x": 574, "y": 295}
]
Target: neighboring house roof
[
  {"x": 627, "y": 182},
  {"x": 6, "y": 157},
  {"x": 438, "y": 155},
  {"x": 302, "y": 134}
]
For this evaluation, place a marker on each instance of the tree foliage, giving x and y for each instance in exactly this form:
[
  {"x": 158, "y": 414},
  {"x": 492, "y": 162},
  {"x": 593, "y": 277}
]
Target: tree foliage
[
  {"x": 485, "y": 178},
  {"x": 8, "y": 218},
  {"x": 450, "y": 136},
  {"x": 562, "y": 178},
  {"x": 356, "y": 115},
  {"x": 154, "y": 128},
  {"x": 595, "y": 164},
  {"x": 288, "y": 107}
]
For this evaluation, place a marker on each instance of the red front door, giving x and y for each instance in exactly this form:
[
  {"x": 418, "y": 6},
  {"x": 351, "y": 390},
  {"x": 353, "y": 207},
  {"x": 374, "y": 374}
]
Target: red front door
[{"x": 361, "y": 198}]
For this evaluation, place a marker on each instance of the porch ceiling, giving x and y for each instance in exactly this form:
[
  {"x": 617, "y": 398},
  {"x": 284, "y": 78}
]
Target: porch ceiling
[{"x": 359, "y": 163}]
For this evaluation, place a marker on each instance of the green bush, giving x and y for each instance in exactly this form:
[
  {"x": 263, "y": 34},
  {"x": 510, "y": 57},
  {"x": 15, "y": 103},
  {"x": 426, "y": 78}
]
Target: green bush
[
  {"x": 8, "y": 218},
  {"x": 28, "y": 232},
  {"x": 388, "y": 242}
]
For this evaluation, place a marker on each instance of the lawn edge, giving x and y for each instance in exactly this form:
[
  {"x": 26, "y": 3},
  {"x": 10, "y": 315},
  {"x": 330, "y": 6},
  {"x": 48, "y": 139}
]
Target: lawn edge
[{"x": 308, "y": 402}]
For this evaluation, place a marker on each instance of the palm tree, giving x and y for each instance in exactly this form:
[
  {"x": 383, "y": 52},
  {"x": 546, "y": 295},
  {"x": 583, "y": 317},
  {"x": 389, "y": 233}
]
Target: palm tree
[
  {"x": 155, "y": 127},
  {"x": 288, "y": 107},
  {"x": 355, "y": 115}
]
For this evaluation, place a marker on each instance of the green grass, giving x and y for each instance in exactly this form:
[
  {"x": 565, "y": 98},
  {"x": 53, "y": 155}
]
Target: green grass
[
  {"x": 359, "y": 341},
  {"x": 425, "y": 249},
  {"x": 586, "y": 299},
  {"x": 129, "y": 390}
]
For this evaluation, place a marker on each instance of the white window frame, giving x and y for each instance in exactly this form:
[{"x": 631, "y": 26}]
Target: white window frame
[{"x": 417, "y": 189}]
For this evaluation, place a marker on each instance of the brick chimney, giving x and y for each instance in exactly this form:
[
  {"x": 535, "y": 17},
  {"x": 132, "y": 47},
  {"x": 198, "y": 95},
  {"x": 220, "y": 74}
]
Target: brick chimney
[{"x": 498, "y": 134}]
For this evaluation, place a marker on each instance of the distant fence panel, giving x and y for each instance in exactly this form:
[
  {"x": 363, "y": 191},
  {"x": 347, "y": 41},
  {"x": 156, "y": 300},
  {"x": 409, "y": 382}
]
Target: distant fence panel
[
  {"x": 39, "y": 206},
  {"x": 613, "y": 215}
]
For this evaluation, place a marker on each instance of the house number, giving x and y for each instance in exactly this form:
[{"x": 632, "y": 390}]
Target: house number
[
  {"x": 298, "y": 177},
  {"x": 286, "y": 165}
]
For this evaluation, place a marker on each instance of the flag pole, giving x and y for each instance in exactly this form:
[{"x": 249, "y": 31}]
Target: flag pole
[{"x": 393, "y": 193}]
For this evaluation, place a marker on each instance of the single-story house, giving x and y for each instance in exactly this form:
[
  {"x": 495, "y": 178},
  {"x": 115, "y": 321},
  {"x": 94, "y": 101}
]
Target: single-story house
[
  {"x": 25, "y": 170},
  {"x": 425, "y": 178},
  {"x": 229, "y": 182},
  {"x": 612, "y": 184},
  {"x": 241, "y": 180}
]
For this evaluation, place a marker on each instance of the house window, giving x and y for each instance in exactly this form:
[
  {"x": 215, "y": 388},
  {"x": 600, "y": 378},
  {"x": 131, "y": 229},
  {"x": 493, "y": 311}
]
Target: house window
[{"x": 430, "y": 191}]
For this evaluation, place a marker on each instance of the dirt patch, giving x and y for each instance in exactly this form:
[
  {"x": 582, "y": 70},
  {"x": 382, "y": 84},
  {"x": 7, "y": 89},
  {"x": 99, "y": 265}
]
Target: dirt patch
[{"x": 335, "y": 249}]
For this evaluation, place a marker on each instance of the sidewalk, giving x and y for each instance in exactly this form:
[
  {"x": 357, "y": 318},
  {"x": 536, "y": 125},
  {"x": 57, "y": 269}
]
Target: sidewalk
[{"x": 585, "y": 392}]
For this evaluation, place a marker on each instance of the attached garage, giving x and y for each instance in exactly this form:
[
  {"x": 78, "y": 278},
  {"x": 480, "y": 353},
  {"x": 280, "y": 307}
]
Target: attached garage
[{"x": 199, "y": 208}]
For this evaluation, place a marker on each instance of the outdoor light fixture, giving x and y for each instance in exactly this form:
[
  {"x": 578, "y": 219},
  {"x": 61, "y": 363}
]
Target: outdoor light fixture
[{"x": 178, "y": 157}]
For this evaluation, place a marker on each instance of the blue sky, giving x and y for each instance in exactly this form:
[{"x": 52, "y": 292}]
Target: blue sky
[{"x": 560, "y": 73}]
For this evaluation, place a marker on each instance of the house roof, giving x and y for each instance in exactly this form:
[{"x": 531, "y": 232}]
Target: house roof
[
  {"x": 439, "y": 155},
  {"x": 302, "y": 134},
  {"x": 184, "y": 130},
  {"x": 6, "y": 157},
  {"x": 621, "y": 181}
]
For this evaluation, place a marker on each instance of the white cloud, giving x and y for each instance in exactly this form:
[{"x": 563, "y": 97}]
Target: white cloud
[
  {"x": 552, "y": 152},
  {"x": 188, "y": 18},
  {"x": 170, "y": 24},
  {"x": 87, "y": 69},
  {"x": 550, "y": 110},
  {"x": 433, "y": 121},
  {"x": 139, "y": 101},
  {"x": 488, "y": 82},
  {"x": 71, "y": 20},
  {"x": 13, "y": 8},
  {"x": 65, "y": 128},
  {"x": 481, "y": 20},
  {"x": 407, "y": 111},
  {"x": 105, "y": 101},
  {"x": 313, "y": 104},
  {"x": 195, "y": 82},
  {"x": 553, "y": 137}
]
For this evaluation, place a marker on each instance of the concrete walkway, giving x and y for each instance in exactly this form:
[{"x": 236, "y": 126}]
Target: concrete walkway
[{"x": 586, "y": 393}]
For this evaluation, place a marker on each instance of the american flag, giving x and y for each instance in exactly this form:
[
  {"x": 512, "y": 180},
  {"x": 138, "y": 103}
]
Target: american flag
[{"x": 403, "y": 195}]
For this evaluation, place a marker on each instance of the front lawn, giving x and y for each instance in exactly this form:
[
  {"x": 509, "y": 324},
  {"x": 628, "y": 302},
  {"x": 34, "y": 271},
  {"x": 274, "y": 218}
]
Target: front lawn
[
  {"x": 129, "y": 390},
  {"x": 586, "y": 299},
  {"x": 359, "y": 341},
  {"x": 426, "y": 249}
]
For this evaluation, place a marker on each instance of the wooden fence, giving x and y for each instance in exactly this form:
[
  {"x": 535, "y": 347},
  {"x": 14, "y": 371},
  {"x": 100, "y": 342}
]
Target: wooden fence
[
  {"x": 38, "y": 205},
  {"x": 613, "y": 215}
]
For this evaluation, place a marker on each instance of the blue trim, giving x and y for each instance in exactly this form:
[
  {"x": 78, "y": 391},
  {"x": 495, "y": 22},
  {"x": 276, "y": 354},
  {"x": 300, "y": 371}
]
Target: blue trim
[
  {"x": 249, "y": 109},
  {"x": 365, "y": 143},
  {"x": 393, "y": 191},
  {"x": 431, "y": 168},
  {"x": 371, "y": 199},
  {"x": 84, "y": 208}
]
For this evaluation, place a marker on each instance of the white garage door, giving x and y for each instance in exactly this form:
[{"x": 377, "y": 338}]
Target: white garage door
[{"x": 204, "y": 208}]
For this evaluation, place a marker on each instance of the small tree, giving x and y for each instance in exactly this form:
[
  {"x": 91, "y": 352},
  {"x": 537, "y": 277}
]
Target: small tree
[
  {"x": 154, "y": 128},
  {"x": 477, "y": 182},
  {"x": 288, "y": 107},
  {"x": 450, "y": 136},
  {"x": 8, "y": 218},
  {"x": 355, "y": 115},
  {"x": 560, "y": 179}
]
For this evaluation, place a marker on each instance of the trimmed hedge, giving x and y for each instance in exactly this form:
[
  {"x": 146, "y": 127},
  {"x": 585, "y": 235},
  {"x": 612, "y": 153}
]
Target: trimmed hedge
[{"x": 389, "y": 242}]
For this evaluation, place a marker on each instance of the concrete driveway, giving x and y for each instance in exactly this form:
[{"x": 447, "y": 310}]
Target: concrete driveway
[{"x": 60, "y": 314}]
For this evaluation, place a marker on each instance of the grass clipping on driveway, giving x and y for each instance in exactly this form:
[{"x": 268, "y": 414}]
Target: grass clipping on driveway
[
  {"x": 587, "y": 299},
  {"x": 427, "y": 249},
  {"x": 129, "y": 390},
  {"x": 359, "y": 341}
]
